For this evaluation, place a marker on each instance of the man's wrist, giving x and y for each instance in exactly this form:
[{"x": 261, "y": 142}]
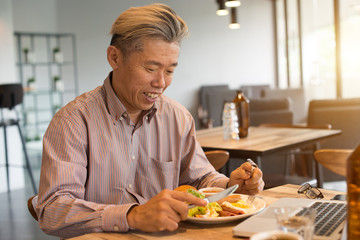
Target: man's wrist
[{"x": 130, "y": 218}]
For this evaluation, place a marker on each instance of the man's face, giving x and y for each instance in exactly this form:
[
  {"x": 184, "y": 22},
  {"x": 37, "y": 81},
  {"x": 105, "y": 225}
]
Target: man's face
[{"x": 143, "y": 76}]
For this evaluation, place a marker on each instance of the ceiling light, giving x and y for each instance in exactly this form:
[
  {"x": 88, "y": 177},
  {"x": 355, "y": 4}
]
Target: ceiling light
[
  {"x": 222, "y": 11},
  {"x": 232, "y": 3},
  {"x": 233, "y": 23}
]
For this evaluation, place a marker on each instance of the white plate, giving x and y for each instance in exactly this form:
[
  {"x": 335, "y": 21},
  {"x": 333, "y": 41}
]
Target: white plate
[{"x": 259, "y": 206}]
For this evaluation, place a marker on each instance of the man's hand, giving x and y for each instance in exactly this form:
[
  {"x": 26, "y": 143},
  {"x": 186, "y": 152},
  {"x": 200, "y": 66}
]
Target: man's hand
[
  {"x": 162, "y": 212},
  {"x": 247, "y": 185}
]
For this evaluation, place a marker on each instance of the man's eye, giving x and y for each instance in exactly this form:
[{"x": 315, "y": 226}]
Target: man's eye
[
  {"x": 169, "y": 72},
  {"x": 150, "y": 69}
]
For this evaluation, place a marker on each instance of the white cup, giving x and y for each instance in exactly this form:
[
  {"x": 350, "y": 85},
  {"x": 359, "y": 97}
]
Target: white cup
[
  {"x": 209, "y": 191},
  {"x": 276, "y": 235}
]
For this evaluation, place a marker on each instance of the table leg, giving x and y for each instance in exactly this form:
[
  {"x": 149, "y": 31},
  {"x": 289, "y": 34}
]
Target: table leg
[
  {"x": 258, "y": 161},
  {"x": 318, "y": 169}
]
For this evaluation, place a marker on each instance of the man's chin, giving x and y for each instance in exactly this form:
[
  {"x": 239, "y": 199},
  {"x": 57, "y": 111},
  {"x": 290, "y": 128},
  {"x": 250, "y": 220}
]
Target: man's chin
[{"x": 147, "y": 107}]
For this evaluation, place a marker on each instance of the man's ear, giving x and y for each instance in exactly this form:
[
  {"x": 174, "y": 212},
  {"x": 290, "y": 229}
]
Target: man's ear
[{"x": 114, "y": 57}]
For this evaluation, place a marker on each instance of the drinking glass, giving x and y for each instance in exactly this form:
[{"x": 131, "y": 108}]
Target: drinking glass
[
  {"x": 298, "y": 220},
  {"x": 230, "y": 122}
]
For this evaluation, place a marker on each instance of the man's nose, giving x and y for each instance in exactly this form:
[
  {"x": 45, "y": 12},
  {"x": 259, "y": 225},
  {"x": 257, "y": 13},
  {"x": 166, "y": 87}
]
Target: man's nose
[{"x": 160, "y": 80}]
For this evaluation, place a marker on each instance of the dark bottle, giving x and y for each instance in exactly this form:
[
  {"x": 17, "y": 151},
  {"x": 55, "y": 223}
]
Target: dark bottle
[
  {"x": 242, "y": 110},
  {"x": 353, "y": 195}
]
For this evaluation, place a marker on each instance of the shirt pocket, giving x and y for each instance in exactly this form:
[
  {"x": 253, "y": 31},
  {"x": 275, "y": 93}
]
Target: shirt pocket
[{"x": 161, "y": 175}]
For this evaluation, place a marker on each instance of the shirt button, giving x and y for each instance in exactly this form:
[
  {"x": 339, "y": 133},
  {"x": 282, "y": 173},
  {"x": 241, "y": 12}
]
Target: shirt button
[
  {"x": 116, "y": 228},
  {"x": 146, "y": 118},
  {"x": 130, "y": 186},
  {"x": 121, "y": 118},
  {"x": 133, "y": 157}
]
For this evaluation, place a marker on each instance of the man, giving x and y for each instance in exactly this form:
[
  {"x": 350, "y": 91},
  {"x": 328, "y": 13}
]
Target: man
[{"x": 112, "y": 157}]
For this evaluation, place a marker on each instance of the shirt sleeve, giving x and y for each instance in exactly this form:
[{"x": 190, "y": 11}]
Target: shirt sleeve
[{"x": 61, "y": 208}]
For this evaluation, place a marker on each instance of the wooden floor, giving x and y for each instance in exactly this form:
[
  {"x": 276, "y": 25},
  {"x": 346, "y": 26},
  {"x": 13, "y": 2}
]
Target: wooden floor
[{"x": 16, "y": 222}]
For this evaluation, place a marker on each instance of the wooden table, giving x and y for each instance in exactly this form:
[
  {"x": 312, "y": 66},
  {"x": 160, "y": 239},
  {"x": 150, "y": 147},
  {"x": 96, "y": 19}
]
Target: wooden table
[
  {"x": 262, "y": 141},
  {"x": 202, "y": 231}
]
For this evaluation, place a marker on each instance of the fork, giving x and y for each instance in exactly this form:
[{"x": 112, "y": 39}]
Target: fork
[{"x": 251, "y": 198}]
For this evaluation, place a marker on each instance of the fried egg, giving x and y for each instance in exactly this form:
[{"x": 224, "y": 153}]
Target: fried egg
[{"x": 240, "y": 205}]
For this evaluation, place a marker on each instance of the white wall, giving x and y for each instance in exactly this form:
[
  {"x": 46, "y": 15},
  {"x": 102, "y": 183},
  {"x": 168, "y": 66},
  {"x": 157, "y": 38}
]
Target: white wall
[
  {"x": 213, "y": 54},
  {"x": 35, "y": 16},
  {"x": 7, "y": 59}
]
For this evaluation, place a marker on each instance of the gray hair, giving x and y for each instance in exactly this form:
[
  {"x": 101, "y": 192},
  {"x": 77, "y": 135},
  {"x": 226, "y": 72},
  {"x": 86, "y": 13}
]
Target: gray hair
[{"x": 156, "y": 21}]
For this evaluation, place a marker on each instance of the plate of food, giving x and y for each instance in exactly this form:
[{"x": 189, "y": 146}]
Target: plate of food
[{"x": 231, "y": 208}]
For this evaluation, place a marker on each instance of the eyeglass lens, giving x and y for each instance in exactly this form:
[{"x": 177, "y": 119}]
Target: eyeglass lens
[
  {"x": 313, "y": 193},
  {"x": 310, "y": 192}
]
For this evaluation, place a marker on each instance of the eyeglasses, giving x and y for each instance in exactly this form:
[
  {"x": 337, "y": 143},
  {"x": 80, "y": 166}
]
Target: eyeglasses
[{"x": 310, "y": 191}]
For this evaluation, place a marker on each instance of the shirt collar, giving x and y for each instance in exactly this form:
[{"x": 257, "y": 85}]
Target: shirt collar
[{"x": 116, "y": 108}]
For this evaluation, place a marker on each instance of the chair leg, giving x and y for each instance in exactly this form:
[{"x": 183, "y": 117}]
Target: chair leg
[
  {"x": 28, "y": 167},
  {"x": 6, "y": 160}
]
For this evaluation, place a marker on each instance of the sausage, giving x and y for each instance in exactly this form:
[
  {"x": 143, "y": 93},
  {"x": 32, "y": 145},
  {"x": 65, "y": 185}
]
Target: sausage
[
  {"x": 226, "y": 214},
  {"x": 235, "y": 211}
]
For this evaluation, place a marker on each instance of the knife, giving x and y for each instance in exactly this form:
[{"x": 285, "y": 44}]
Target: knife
[{"x": 219, "y": 195}]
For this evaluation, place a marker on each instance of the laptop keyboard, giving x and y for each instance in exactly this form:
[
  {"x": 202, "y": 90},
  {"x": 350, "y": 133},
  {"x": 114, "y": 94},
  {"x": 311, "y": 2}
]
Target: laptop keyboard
[{"x": 328, "y": 217}]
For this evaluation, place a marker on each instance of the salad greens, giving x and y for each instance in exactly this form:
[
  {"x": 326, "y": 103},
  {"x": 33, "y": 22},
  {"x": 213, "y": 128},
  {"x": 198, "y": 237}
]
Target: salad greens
[
  {"x": 195, "y": 193},
  {"x": 210, "y": 210},
  {"x": 196, "y": 211}
]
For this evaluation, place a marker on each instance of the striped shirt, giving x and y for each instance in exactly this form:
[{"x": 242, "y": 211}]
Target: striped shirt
[{"x": 97, "y": 163}]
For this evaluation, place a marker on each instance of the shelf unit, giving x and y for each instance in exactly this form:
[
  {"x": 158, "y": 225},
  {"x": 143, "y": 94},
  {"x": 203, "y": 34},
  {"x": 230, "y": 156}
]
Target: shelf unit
[{"x": 47, "y": 68}]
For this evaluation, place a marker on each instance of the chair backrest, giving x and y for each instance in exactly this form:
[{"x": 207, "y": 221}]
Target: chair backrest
[
  {"x": 298, "y": 103},
  {"x": 333, "y": 159},
  {"x": 212, "y": 99},
  {"x": 217, "y": 158},
  {"x": 11, "y": 95},
  {"x": 254, "y": 91},
  {"x": 270, "y": 110},
  {"x": 30, "y": 204},
  {"x": 342, "y": 114}
]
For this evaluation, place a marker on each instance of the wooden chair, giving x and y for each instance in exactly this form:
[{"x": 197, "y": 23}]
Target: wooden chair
[
  {"x": 272, "y": 180},
  {"x": 343, "y": 114},
  {"x": 217, "y": 158},
  {"x": 333, "y": 159},
  {"x": 31, "y": 208}
]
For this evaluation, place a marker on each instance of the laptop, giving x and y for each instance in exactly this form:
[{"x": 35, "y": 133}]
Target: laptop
[{"x": 326, "y": 228}]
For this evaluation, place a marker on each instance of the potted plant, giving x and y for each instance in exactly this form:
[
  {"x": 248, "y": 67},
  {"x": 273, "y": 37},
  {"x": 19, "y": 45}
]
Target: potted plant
[
  {"x": 29, "y": 56},
  {"x": 26, "y": 56},
  {"x": 58, "y": 85},
  {"x": 57, "y": 55},
  {"x": 31, "y": 83}
]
